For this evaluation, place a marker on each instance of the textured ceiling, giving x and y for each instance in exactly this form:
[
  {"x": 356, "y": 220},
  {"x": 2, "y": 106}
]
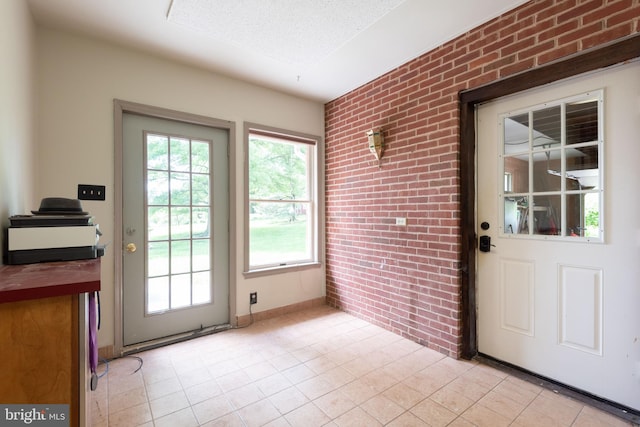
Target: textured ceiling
[
  {"x": 300, "y": 33},
  {"x": 318, "y": 49}
]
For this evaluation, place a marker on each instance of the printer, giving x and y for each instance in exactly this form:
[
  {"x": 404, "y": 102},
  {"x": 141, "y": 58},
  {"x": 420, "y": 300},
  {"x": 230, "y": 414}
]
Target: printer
[{"x": 58, "y": 231}]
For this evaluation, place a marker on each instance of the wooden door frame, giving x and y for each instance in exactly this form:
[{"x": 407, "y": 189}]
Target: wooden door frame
[{"x": 593, "y": 59}]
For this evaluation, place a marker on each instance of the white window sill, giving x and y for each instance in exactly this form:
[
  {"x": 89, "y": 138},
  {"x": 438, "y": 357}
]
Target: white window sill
[{"x": 280, "y": 269}]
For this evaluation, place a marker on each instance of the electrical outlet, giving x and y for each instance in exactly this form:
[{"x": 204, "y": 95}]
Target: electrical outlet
[
  {"x": 91, "y": 192},
  {"x": 253, "y": 298}
]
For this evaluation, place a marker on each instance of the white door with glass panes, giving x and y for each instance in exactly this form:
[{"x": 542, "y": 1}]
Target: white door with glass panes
[
  {"x": 558, "y": 279},
  {"x": 175, "y": 228}
]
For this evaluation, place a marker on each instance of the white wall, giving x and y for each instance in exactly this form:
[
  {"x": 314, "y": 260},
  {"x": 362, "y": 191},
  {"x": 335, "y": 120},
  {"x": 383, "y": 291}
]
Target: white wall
[
  {"x": 17, "y": 114},
  {"x": 78, "y": 78}
]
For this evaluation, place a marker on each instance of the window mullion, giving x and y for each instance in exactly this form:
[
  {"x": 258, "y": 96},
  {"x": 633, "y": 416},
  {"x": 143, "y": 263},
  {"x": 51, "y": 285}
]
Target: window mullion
[{"x": 565, "y": 132}]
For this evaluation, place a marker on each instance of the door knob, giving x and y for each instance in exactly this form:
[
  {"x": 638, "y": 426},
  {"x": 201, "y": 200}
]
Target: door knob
[{"x": 131, "y": 247}]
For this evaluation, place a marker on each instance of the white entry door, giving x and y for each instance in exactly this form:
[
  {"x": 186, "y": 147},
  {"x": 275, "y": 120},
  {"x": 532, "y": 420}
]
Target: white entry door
[
  {"x": 175, "y": 228},
  {"x": 558, "y": 284}
]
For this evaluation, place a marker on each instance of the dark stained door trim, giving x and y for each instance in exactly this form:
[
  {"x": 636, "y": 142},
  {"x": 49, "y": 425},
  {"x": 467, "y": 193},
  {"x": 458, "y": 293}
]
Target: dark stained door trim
[{"x": 593, "y": 59}]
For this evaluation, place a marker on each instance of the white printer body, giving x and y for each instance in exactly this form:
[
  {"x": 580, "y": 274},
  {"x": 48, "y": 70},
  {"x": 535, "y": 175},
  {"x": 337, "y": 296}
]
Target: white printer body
[{"x": 28, "y": 244}]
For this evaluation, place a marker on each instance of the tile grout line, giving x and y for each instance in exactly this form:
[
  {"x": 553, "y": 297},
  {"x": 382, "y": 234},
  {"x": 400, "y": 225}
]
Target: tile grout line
[{"x": 312, "y": 336}]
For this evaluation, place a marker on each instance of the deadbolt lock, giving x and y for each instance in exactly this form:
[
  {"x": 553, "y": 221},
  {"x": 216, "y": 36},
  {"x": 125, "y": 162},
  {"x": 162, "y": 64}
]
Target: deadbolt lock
[{"x": 485, "y": 244}]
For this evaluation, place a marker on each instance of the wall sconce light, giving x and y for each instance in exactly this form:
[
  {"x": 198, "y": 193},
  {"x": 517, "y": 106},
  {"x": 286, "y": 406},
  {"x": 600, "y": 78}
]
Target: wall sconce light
[{"x": 376, "y": 143}]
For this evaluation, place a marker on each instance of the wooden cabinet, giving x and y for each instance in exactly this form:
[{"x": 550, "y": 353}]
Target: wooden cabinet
[
  {"x": 42, "y": 340},
  {"x": 39, "y": 352}
]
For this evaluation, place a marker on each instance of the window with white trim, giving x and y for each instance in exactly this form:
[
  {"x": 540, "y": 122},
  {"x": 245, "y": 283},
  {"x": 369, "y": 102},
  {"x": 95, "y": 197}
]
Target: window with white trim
[
  {"x": 282, "y": 209},
  {"x": 551, "y": 160}
]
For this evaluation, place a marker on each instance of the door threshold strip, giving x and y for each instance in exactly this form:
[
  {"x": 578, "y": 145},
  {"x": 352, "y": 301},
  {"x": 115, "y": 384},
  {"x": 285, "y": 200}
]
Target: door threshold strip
[
  {"x": 613, "y": 408},
  {"x": 173, "y": 339}
]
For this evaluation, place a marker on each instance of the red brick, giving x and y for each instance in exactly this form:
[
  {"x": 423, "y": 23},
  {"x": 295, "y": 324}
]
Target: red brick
[
  {"x": 604, "y": 36},
  {"x": 580, "y": 33},
  {"x": 563, "y": 51},
  {"x": 417, "y": 292},
  {"x": 498, "y": 45},
  {"x": 582, "y": 9},
  {"x": 611, "y": 8},
  {"x": 517, "y": 47},
  {"x": 627, "y": 15},
  {"x": 536, "y": 50}
]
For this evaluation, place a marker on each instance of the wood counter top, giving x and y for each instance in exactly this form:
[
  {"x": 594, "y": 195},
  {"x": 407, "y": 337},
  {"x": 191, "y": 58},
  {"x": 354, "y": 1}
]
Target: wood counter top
[{"x": 48, "y": 279}]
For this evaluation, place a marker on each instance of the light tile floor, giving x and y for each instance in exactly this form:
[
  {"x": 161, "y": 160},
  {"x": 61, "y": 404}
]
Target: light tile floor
[{"x": 321, "y": 367}]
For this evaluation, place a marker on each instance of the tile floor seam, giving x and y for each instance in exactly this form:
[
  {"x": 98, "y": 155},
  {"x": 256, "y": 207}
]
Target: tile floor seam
[
  {"x": 310, "y": 337},
  {"x": 524, "y": 406},
  {"x": 144, "y": 383}
]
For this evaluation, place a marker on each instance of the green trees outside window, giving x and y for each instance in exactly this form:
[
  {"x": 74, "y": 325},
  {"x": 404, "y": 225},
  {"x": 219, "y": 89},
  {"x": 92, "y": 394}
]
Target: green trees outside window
[{"x": 281, "y": 209}]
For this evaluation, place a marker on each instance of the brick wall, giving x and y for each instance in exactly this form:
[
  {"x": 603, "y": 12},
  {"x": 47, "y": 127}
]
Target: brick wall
[{"x": 407, "y": 278}]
